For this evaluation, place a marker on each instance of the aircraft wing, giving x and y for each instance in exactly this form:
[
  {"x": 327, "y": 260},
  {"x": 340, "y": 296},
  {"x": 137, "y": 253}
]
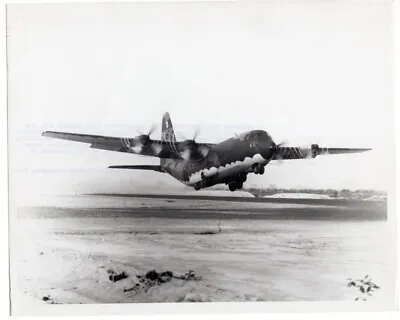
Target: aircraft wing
[
  {"x": 291, "y": 153},
  {"x": 139, "y": 167},
  {"x": 141, "y": 145}
]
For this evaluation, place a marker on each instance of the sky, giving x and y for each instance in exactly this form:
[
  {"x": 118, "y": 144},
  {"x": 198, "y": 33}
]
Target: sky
[{"x": 306, "y": 72}]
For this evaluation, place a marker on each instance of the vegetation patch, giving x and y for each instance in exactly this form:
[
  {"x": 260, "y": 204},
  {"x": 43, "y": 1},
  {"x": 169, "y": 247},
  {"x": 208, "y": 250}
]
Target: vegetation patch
[
  {"x": 365, "y": 287},
  {"x": 153, "y": 278},
  {"x": 114, "y": 276}
]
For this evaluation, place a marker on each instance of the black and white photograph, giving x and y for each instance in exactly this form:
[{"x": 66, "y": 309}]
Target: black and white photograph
[{"x": 184, "y": 154}]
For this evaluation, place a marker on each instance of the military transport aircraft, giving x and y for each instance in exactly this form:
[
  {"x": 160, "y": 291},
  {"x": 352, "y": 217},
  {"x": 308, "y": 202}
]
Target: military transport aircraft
[{"x": 201, "y": 165}]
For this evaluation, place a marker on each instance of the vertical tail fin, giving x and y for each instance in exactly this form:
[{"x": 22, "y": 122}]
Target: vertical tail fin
[{"x": 167, "y": 133}]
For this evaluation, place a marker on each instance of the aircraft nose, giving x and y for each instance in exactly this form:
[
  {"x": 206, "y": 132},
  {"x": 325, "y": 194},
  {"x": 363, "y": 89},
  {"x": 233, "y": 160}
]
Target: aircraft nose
[{"x": 268, "y": 149}]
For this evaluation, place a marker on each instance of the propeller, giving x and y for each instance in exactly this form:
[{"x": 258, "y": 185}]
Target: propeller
[
  {"x": 306, "y": 152},
  {"x": 143, "y": 139},
  {"x": 191, "y": 149},
  {"x": 278, "y": 157},
  {"x": 195, "y": 135},
  {"x": 282, "y": 143}
]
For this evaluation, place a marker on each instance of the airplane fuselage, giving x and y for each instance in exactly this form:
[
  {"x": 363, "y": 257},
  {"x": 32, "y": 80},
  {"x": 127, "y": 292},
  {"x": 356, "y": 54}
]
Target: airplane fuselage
[{"x": 227, "y": 162}]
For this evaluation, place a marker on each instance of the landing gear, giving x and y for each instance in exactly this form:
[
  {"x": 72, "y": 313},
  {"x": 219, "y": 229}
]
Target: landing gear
[
  {"x": 258, "y": 169},
  {"x": 203, "y": 183},
  {"x": 242, "y": 178},
  {"x": 235, "y": 185}
]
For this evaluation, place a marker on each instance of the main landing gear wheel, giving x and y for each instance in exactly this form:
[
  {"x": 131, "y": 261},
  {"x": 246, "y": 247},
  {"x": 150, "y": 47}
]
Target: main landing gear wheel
[
  {"x": 235, "y": 185},
  {"x": 196, "y": 187},
  {"x": 258, "y": 169}
]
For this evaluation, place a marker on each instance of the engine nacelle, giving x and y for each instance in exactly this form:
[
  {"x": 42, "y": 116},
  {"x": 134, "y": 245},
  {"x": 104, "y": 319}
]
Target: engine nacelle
[
  {"x": 191, "y": 150},
  {"x": 143, "y": 139},
  {"x": 314, "y": 150}
]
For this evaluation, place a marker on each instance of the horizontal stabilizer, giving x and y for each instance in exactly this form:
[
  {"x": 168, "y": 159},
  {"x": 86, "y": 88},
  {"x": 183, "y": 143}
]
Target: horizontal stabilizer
[{"x": 138, "y": 167}]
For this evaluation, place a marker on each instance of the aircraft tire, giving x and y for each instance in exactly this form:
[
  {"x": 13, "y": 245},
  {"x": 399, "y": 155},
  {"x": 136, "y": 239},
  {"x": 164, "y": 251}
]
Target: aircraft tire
[
  {"x": 239, "y": 185},
  {"x": 256, "y": 168},
  {"x": 232, "y": 186},
  {"x": 196, "y": 187}
]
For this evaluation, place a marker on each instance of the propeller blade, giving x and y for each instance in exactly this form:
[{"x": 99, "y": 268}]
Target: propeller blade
[
  {"x": 196, "y": 133},
  {"x": 279, "y": 157},
  {"x": 282, "y": 143},
  {"x": 152, "y": 129},
  {"x": 150, "y": 132}
]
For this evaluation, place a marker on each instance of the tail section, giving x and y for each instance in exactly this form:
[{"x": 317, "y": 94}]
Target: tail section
[{"x": 167, "y": 133}]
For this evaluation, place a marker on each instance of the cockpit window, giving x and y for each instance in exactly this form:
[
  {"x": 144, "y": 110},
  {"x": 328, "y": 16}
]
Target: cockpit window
[
  {"x": 243, "y": 135},
  {"x": 260, "y": 134}
]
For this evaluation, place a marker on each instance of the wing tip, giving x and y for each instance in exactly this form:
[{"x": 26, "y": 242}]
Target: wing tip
[{"x": 47, "y": 133}]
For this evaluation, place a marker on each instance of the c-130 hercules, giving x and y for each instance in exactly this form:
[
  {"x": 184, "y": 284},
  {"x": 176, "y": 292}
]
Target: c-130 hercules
[{"x": 201, "y": 165}]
